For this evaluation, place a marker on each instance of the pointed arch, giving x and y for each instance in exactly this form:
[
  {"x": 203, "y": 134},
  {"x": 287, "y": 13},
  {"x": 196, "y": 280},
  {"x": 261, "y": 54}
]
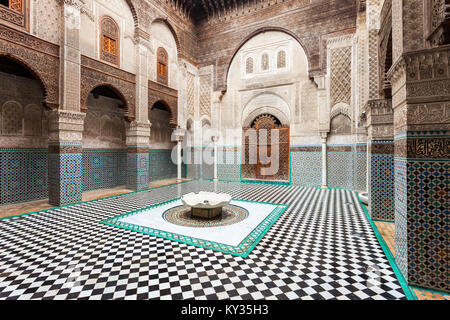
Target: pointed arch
[
  {"x": 255, "y": 33},
  {"x": 122, "y": 98},
  {"x": 163, "y": 104},
  {"x": 172, "y": 30},
  {"x": 133, "y": 13},
  {"x": 36, "y": 75}
]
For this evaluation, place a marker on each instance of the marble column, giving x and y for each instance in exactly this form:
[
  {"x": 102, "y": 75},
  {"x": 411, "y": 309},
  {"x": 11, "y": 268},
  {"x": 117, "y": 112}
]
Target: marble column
[
  {"x": 323, "y": 137},
  {"x": 138, "y": 139},
  {"x": 215, "y": 139},
  {"x": 179, "y": 160},
  {"x": 65, "y": 157},
  {"x": 178, "y": 136},
  {"x": 380, "y": 130}
]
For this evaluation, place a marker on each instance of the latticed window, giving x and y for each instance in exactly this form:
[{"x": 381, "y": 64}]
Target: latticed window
[
  {"x": 281, "y": 59},
  {"x": 265, "y": 62},
  {"x": 110, "y": 41},
  {"x": 249, "y": 65},
  {"x": 162, "y": 66},
  {"x": 109, "y": 45},
  {"x": 13, "y": 12},
  {"x": 16, "y": 5}
]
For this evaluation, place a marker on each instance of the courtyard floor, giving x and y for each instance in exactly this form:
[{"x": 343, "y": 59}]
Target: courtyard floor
[
  {"x": 321, "y": 247},
  {"x": 33, "y": 206}
]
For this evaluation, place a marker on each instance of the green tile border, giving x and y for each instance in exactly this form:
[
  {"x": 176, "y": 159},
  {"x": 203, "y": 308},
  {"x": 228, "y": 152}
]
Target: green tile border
[
  {"x": 430, "y": 290},
  {"x": 242, "y": 250},
  {"x": 410, "y": 295},
  {"x": 95, "y": 200}
]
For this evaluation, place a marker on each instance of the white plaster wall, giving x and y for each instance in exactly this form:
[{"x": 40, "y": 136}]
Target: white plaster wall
[
  {"x": 90, "y": 30},
  {"x": 289, "y": 90},
  {"x": 161, "y": 36}
]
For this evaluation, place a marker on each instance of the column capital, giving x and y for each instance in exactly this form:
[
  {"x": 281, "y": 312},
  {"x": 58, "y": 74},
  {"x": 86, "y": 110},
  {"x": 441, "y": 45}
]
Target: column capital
[
  {"x": 320, "y": 81},
  {"x": 178, "y": 134},
  {"x": 379, "y": 119},
  {"x": 215, "y": 139},
  {"x": 138, "y": 133},
  {"x": 66, "y": 126}
]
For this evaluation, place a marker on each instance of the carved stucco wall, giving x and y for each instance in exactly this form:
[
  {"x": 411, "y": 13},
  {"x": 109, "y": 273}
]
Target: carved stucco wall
[
  {"x": 161, "y": 131},
  {"x": 23, "y": 120},
  {"x": 342, "y": 60},
  {"x": 206, "y": 83},
  {"x": 341, "y": 75},
  {"x": 46, "y": 20},
  {"x": 104, "y": 125}
]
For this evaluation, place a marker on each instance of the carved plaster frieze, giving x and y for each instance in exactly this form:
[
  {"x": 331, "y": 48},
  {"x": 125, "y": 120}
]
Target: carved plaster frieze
[{"x": 66, "y": 126}]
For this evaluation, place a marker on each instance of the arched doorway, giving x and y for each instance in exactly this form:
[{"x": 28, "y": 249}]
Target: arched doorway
[
  {"x": 266, "y": 150},
  {"x": 23, "y": 134},
  {"x": 161, "y": 145},
  {"x": 104, "y": 140}
]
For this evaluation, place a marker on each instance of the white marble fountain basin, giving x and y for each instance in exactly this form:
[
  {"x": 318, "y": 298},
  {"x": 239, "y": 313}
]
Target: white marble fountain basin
[{"x": 206, "y": 200}]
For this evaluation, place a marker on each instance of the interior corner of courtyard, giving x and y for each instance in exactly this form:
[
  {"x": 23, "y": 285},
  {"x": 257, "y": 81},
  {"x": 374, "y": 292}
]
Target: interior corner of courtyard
[{"x": 126, "y": 126}]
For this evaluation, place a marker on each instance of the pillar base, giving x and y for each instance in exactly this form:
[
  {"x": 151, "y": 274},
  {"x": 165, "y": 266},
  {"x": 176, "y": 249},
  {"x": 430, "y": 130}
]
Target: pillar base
[
  {"x": 138, "y": 177},
  {"x": 65, "y": 173}
]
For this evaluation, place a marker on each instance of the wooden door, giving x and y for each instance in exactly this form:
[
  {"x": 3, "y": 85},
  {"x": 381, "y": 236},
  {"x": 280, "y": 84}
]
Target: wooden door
[{"x": 273, "y": 160}]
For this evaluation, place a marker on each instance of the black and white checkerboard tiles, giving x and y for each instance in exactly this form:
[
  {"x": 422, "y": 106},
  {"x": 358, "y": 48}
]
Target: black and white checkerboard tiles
[{"x": 309, "y": 253}]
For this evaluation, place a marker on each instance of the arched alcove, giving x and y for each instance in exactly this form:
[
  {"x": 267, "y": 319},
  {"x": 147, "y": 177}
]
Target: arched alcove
[
  {"x": 23, "y": 133},
  {"x": 104, "y": 140},
  {"x": 161, "y": 165}
]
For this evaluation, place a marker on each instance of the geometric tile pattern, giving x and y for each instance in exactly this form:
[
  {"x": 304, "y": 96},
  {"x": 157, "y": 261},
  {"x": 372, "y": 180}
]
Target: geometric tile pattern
[
  {"x": 401, "y": 224},
  {"x": 229, "y": 165},
  {"x": 387, "y": 230},
  {"x": 161, "y": 165},
  {"x": 65, "y": 176},
  {"x": 193, "y": 160},
  {"x": 24, "y": 175},
  {"x": 193, "y": 171},
  {"x": 340, "y": 169},
  {"x": 382, "y": 187},
  {"x": 360, "y": 171},
  {"x": 422, "y": 221},
  {"x": 104, "y": 168},
  {"x": 428, "y": 224},
  {"x": 309, "y": 253},
  {"x": 137, "y": 171},
  {"x": 306, "y": 168}
]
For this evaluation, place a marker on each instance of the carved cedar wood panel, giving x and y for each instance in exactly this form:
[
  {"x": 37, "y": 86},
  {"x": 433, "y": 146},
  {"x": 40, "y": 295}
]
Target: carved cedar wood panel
[
  {"x": 38, "y": 56},
  {"x": 95, "y": 74},
  {"x": 158, "y": 92},
  {"x": 265, "y": 126}
]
